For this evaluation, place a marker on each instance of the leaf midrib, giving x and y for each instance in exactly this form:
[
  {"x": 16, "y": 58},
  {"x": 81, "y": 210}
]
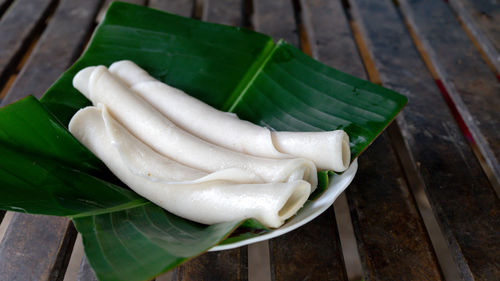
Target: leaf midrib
[{"x": 253, "y": 71}]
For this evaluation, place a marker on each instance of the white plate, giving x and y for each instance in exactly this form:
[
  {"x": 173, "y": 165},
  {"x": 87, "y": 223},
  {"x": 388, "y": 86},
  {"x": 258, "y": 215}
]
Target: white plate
[{"x": 311, "y": 210}]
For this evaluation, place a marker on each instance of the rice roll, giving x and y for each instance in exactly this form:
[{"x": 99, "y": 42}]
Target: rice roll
[
  {"x": 186, "y": 192},
  {"x": 157, "y": 131},
  {"x": 328, "y": 150}
]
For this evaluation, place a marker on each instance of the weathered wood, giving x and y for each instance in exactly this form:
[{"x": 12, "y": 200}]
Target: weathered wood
[
  {"x": 482, "y": 18},
  {"x": 54, "y": 52},
  {"x": 224, "y": 265},
  {"x": 40, "y": 252},
  {"x": 276, "y": 19},
  {"x": 228, "y": 12},
  {"x": 86, "y": 273},
  {"x": 180, "y": 7},
  {"x": 487, "y": 15},
  {"x": 375, "y": 209},
  {"x": 259, "y": 264},
  {"x": 461, "y": 196},
  {"x": 467, "y": 78},
  {"x": 391, "y": 237},
  {"x": 17, "y": 27},
  {"x": 311, "y": 252}
]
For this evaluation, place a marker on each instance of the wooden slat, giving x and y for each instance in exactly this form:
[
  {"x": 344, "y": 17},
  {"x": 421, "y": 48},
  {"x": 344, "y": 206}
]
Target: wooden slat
[
  {"x": 391, "y": 237},
  {"x": 106, "y": 4},
  {"x": 17, "y": 28},
  {"x": 228, "y": 12},
  {"x": 466, "y": 77},
  {"x": 259, "y": 264},
  {"x": 59, "y": 46},
  {"x": 487, "y": 15},
  {"x": 330, "y": 37},
  {"x": 379, "y": 197},
  {"x": 461, "y": 196},
  {"x": 276, "y": 19},
  {"x": 180, "y": 7},
  {"x": 313, "y": 251},
  {"x": 230, "y": 264},
  {"x": 482, "y": 18},
  {"x": 31, "y": 246},
  {"x": 225, "y": 265}
]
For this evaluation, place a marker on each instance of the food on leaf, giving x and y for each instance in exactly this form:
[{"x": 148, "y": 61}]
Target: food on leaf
[
  {"x": 196, "y": 196},
  {"x": 157, "y": 131},
  {"x": 328, "y": 150}
]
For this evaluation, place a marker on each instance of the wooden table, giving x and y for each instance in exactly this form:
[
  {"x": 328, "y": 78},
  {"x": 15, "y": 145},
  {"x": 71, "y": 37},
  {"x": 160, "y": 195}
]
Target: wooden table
[{"x": 424, "y": 204}]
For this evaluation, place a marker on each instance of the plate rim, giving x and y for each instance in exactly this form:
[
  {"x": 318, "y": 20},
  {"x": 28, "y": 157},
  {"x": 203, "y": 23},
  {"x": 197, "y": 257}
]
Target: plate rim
[{"x": 330, "y": 195}]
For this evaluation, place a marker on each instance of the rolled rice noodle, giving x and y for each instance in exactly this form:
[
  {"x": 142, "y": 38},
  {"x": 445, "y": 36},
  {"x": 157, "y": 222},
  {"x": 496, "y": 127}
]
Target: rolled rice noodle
[
  {"x": 196, "y": 195},
  {"x": 154, "y": 129},
  {"x": 328, "y": 150}
]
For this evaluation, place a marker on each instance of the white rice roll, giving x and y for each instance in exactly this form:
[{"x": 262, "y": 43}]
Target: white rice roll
[
  {"x": 157, "y": 131},
  {"x": 141, "y": 160},
  {"x": 328, "y": 150},
  {"x": 204, "y": 201}
]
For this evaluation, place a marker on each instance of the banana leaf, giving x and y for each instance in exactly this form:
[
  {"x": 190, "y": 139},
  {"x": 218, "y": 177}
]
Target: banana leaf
[{"x": 45, "y": 170}]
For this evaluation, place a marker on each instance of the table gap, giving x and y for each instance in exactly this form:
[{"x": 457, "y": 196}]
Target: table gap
[
  {"x": 365, "y": 54},
  {"x": 15, "y": 71},
  {"x": 415, "y": 183},
  {"x": 480, "y": 47},
  {"x": 197, "y": 12},
  {"x": 304, "y": 39},
  {"x": 448, "y": 92},
  {"x": 59, "y": 270},
  {"x": 19, "y": 58},
  {"x": 6, "y": 218},
  {"x": 485, "y": 47},
  {"x": 75, "y": 260},
  {"x": 248, "y": 14},
  {"x": 4, "y": 5}
]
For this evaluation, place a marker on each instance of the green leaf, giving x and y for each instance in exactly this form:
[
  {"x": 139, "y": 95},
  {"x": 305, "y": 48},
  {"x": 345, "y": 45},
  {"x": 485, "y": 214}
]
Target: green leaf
[
  {"x": 293, "y": 92},
  {"x": 27, "y": 126},
  {"x": 142, "y": 242},
  {"x": 44, "y": 170}
]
